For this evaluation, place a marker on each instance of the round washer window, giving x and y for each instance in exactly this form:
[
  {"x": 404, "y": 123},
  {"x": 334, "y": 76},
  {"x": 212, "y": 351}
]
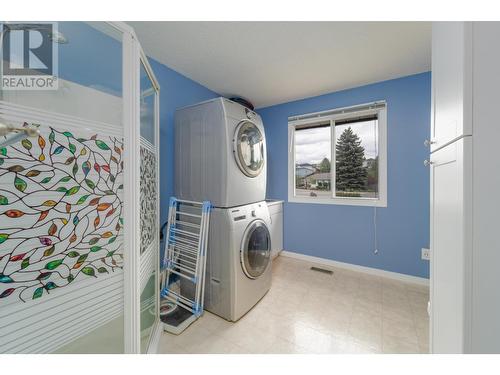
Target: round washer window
[
  {"x": 249, "y": 148},
  {"x": 256, "y": 249}
]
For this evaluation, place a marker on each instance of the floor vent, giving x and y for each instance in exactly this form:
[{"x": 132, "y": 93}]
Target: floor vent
[{"x": 322, "y": 270}]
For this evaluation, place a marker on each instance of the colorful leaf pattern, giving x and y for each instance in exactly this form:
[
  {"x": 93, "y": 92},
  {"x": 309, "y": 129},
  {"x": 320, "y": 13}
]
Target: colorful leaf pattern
[{"x": 73, "y": 241}]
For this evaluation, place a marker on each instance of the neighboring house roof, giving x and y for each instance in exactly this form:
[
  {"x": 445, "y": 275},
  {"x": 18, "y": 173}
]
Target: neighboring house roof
[{"x": 319, "y": 176}]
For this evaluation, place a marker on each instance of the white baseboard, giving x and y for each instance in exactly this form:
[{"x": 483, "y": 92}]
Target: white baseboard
[
  {"x": 155, "y": 339},
  {"x": 354, "y": 267}
]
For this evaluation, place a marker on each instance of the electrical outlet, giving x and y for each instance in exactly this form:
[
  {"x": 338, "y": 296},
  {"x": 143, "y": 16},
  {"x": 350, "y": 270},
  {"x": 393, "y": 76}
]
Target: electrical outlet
[{"x": 426, "y": 254}]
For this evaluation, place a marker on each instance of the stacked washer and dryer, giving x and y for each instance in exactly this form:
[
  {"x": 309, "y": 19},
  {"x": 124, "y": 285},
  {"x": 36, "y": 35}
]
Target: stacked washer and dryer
[{"x": 220, "y": 155}]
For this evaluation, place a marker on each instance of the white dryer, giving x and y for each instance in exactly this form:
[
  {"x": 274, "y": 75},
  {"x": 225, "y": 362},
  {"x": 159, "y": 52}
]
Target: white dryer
[
  {"x": 238, "y": 260},
  {"x": 220, "y": 154}
]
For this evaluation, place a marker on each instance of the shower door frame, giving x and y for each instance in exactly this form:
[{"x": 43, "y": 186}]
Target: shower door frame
[{"x": 133, "y": 56}]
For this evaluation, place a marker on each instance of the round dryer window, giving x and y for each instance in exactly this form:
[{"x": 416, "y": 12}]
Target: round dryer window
[
  {"x": 256, "y": 249},
  {"x": 249, "y": 148}
]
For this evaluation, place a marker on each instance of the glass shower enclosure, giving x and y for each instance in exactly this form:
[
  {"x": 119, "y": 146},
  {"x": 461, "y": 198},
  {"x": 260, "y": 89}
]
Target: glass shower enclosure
[{"x": 78, "y": 226}]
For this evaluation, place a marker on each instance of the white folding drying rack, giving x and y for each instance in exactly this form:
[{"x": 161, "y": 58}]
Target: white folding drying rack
[{"x": 185, "y": 257}]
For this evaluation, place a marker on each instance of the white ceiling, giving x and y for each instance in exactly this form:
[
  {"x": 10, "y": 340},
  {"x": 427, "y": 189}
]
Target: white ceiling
[{"x": 275, "y": 62}]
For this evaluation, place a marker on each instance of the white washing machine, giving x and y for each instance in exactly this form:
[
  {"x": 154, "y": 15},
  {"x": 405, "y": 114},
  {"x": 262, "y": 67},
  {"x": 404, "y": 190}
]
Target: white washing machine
[
  {"x": 220, "y": 154},
  {"x": 238, "y": 260}
]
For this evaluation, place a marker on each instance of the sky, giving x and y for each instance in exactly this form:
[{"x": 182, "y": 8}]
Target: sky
[{"x": 312, "y": 145}]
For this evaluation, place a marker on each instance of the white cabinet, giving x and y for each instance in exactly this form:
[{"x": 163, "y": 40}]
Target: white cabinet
[
  {"x": 276, "y": 213},
  {"x": 451, "y": 80},
  {"x": 465, "y": 178},
  {"x": 449, "y": 188}
]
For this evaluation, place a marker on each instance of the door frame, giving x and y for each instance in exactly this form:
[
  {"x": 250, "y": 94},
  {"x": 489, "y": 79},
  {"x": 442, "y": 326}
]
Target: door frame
[{"x": 133, "y": 55}]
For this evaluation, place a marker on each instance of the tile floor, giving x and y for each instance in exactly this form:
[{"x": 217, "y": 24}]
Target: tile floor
[{"x": 310, "y": 312}]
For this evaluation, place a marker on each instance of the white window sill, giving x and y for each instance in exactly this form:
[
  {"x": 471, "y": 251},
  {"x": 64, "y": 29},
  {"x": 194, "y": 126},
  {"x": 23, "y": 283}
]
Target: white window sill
[{"x": 340, "y": 201}]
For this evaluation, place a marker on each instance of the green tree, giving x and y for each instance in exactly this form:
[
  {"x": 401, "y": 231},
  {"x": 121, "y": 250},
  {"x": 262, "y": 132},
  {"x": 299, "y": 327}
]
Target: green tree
[
  {"x": 350, "y": 155},
  {"x": 324, "y": 166}
]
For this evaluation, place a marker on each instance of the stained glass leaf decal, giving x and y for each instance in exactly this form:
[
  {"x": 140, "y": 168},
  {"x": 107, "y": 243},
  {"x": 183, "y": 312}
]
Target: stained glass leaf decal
[
  {"x": 38, "y": 293},
  {"x": 94, "y": 249},
  {"x": 94, "y": 201},
  {"x": 101, "y": 145},
  {"x": 70, "y": 278},
  {"x": 86, "y": 168},
  {"x": 76, "y": 220},
  {"x": 25, "y": 263},
  {"x": 3, "y": 151},
  {"x": 27, "y": 144},
  {"x": 102, "y": 270},
  {"x": 68, "y": 134},
  {"x": 50, "y": 285},
  {"x": 52, "y": 230},
  {"x": 49, "y": 251},
  {"x": 3, "y": 237},
  {"x": 3, "y": 200},
  {"x": 7, "y": 292},
  {"x": 44, "y": 276},
  {"x": 41, "y": 157},
  {"x": 77, "y": 265},
  {"x": 14, "y": 214},
  {"x": 93, "y": 241},
  {"x": 45, "y": 241},
  {"x": 20, "y": 184},
  {"x": 73, "y": 254},
  {"x": 68, "y": 208},
  {"x": 58, "y": 150},
  {"x": 82, "y": 199},
  {"x": 96, "y": 221},
  {"x": 82, "y": 258},
  {"x": 114, "y": 159},
  {"x": 97, "y": 167},
  {"x": 64, "y": 221},
  {"x": 117, "y": 150},
  {"x": 73, "y": 190},
  {"x": 52, "y": 136},
  {"x": 83, "y": 151},
  {"x": 75, "y": 169},
  {"x": 89, "y": 183},
  {"x": 61, "y": 189},
  {"x": 41, "y": 142},
  {"x": 16, "y": 168},
  {"x": 103, "y": 206},
  {"x": 89, "y": 271},
  {"x": 110, "y": 254},
  {"x": 33, "y": 173},
  {"x": 110, "y": 212},
  {"x": 72, "y": 148},
  {"x": 5, "y": 279},
  {"x": 46, "y": 179},
  {"x": 107, "y": 234},
  {"x": 65, "y": 179},
  {"x": 49, "y": 203},
  {"x": 120, "y": 187},
  {"x": 1, "y": 161},
  {"x": 54, "y": 264},
  {"x": 18, "y": 257},
  {"x": 106, "y": 168},
  {"x": 111, "y": 240},
  {"x": 43, "y": 215},
  {"x": 72, "y": 238},
  {"x": 69, "y": 160}
]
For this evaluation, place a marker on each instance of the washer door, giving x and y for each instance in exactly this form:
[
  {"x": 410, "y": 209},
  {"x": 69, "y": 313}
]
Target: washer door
[
  {"x": 248, "y": 148},
  {"x": 255, "y": 251}
]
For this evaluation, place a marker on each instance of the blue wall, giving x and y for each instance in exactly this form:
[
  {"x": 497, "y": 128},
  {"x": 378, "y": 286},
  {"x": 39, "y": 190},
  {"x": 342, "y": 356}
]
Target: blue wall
[
  {"x": 176, "y": 91},
  {"x": 346, "y": 233}
]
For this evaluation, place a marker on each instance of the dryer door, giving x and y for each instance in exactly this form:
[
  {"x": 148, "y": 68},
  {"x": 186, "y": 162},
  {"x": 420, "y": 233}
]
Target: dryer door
[
  {"x": 248, "y": 148},
  {"x": 255, "y": 251}
]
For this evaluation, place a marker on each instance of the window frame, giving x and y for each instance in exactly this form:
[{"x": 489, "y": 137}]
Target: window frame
[{"x": 333, "y": 115}]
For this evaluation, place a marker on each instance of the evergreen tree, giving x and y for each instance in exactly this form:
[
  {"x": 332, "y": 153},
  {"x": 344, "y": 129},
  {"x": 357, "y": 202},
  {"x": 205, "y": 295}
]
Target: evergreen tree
[
  {"x": 324, "y": 166},
  {"x": 350, "y": 173}
]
